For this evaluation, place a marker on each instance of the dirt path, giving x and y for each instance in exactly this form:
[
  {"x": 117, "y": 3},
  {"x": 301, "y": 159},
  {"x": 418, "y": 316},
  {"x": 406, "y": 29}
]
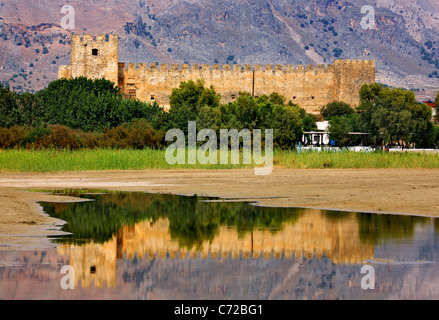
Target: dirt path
[{"x": 408, "y": 191}]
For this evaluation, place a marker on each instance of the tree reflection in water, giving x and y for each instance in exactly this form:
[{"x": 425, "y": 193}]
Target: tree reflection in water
[
  {"x": 195, "y": 220},
  {"x": 191, "y": 220}
]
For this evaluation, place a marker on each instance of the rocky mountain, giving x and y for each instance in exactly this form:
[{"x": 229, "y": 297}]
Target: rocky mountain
[{"x": 404, "y": 40}]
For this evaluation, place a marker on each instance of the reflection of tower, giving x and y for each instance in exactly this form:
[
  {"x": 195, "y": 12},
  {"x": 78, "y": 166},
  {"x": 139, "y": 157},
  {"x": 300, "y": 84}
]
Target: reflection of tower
[
  {"x": 93, "y": 262},
  {"x": 126, "y": 237}
]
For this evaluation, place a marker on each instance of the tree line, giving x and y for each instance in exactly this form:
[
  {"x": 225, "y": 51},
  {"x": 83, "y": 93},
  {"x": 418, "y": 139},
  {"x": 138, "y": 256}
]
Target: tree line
[
  {"x": 85, "y": 113},
  {"x": 93, "y": 113},
  {"x": 388, "y": 115}
]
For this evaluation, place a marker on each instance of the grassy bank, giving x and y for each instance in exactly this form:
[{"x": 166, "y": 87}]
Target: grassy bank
[
  {"x": 109, "y": 159},
  {"x": 351, "y": 159},
  {"x": 47, "y": 160}
]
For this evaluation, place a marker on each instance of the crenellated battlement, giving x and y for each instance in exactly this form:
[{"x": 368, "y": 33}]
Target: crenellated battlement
[
  {"x": 309, "y": 86},
  {"x": 289, "y": 68},
  {"x": 360, "y": 62},
  {"x": 87, "y": 38}
]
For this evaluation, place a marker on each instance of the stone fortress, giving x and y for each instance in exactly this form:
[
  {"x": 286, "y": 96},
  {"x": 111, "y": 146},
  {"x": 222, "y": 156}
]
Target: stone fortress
[{"x": 308, "y": 86}]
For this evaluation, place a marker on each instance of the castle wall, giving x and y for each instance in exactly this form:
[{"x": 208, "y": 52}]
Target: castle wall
[
  {"x": 64, "y": 72},
  {"x": 310, "y": 87},
  {"x": 313, "y": 234}
]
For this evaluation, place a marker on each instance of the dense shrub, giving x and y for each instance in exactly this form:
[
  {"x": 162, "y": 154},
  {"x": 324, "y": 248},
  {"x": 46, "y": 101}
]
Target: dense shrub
[
  {"x": 36, "y": 134},
  {"x": 61, "y": 137},
  {"x": 91, "y": 105},
  {"x": 13, "y": 137},
  {"x": 137, "y": 134},
  {"x": 19, "y": 109}
]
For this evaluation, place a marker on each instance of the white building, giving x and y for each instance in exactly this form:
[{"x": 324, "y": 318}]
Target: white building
[{"x": 318, "y": 137}]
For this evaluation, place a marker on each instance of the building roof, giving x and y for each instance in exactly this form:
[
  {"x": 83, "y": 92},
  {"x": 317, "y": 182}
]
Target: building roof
[
  {"x": 429, "y": 103},
  {"x": 327, "y": 132}
]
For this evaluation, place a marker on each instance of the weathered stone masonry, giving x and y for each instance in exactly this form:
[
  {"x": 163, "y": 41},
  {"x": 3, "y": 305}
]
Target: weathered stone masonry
[{"x": 308, "y": 86}]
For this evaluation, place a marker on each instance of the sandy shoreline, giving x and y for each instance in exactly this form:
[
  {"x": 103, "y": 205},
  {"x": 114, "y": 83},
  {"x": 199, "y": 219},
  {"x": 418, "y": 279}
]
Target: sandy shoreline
[{"x": 23, "y": 225}]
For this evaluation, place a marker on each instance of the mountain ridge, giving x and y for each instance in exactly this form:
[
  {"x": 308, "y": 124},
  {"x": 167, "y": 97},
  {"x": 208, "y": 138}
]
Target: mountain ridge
[{"x": 404, "y": 43}]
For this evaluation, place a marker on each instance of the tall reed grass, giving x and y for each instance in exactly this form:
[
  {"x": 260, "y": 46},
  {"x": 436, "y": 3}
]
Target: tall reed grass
[
  {"x": 352, "y": 159},
  {"x": 50, "y": 160}
]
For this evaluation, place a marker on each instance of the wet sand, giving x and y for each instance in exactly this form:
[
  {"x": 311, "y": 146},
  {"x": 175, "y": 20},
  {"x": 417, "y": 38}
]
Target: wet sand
[{"x": 23, "y": 225}]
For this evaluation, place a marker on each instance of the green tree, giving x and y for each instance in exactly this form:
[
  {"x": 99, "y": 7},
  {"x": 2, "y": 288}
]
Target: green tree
[
  {"x": 276, "y": 98},
  {"x": 188, "y": 100},
  {"x": 309, "y": 123},
  {"x": 265, "y": 112},
  {"x": 209, "y": 118},
  {"x": 428, "y": 138},
  {"x": 19, "y": 109},
  {"x": 339, "y": 130},
  {"x": 392, "y": 114},
  {"x": 336, "y": 109},
  {"x": 436, "y": 106},
  {"x": 91, "y": 105},
  {"x": 341, "y": 126},
  {"x": 287, "y": 125},
  {"x": 247, "y": 111}
]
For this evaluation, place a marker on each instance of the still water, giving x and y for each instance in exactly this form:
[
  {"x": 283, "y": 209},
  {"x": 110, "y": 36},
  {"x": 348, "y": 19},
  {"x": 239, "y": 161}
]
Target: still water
[{"x": 128, "y": 245}]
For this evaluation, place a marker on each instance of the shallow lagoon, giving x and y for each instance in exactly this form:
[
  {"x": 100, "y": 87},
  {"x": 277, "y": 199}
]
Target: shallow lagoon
[{"x": 130, "y": 245}]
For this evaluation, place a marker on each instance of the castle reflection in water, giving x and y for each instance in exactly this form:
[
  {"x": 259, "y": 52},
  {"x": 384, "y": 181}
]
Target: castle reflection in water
[
  {"x": 312, "y": 235},
  {"x": 130, "y": 225},
  {"x": 128, "y": 245}
]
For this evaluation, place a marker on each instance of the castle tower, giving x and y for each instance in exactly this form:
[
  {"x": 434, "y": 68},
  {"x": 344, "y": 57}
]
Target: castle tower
[
  {"x": 349, "y": 76},
  {"x": 93, "y": 58}
]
